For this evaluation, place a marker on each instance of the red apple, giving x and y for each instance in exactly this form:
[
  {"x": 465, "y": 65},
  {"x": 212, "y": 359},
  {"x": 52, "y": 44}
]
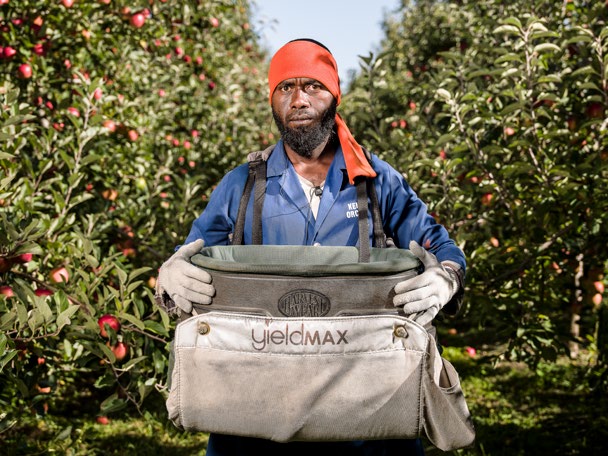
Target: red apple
[
  {"x": 571, "y": 122},
  {"x": 24, "y": 258},
  {"x": 3, "y": 2},
  {"x": 597, "y": 299},
  {"x": 137, "y": 20},
  {"x": 25, "y": 70},
  {"x": 214, "y": 22},
  {"x": 59, "y": 275},
  {"x": 103, "y": 420},
  {"x": 67, "y": 3},
  {"x": 74, "y": 111},
  {"x": 5, "y": 264},
  {"x": 120, "y": 350},
  {"x": 152, "y": 282},
  {"x": 8, "y": 52},
  {"x": 599, "y": 286},
  {"x": 133, "y": 135},
  {"x": 110, "y": 194},
  {"x": 43, "y": 292},
  {"x": 471, "y": 352},
  {"x": 97, "y": 94},
  {"x": 594, "y": 110},
  {"x": 6, "y": 291},
  {"x": 110, "y": 125},
  {"x": 38, "y": 49},
  {"x": 509, "y": 131},
  {"x": 111, "y": 321}
]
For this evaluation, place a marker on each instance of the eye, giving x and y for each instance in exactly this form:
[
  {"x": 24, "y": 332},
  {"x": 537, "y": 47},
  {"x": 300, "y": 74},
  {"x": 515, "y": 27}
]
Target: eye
[{"x": 285, "y": 87}]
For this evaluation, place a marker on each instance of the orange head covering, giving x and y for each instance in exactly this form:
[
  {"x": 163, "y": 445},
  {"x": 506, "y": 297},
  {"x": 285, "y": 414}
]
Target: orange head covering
[{"x": 309, "y": 59}]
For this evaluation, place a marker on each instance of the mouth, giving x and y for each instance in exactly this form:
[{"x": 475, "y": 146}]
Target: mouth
[{"x": 299, "y": 121}]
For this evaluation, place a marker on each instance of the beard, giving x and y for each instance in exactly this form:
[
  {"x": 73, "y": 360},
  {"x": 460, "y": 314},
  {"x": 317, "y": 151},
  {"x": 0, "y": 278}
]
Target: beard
[{"x": 304, "y": 140}]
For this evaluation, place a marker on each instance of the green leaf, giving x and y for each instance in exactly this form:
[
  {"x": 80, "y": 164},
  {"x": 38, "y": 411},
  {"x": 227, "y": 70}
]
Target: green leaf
[
  {"x": 510, "y": 72},
  {"x": 156, "y": 327},
  {"x": 44, "y": 309},
  {"x": 546, "y": 47},
  {"x": 122, "y": 275},
  {"x": 443, "y": 139},
  {"x": 584, "y": 71},
  {"x": 510, "y": 57},
  {"x": 7, "y": 357},
  {"x": 443, "y": 94},
  {"x": 513, "y": 21},
  {"x": 550, "y": 78},
  {"x": 7, "y": 320},
  {"x": 136, "y": 321},
  {"x": 507, "y": 29},
  {"x": 133, "y": 362},
  {"x": 137, "y": 272},
  {"x": 63, "y": 318},
  {"x": 112, "y": 404}
]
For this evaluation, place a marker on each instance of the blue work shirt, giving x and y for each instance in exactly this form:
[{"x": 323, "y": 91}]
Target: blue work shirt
[{"x": 288, "y": 220}]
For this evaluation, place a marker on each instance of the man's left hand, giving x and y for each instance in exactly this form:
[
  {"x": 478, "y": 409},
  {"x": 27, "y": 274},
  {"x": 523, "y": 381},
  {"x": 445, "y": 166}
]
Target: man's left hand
[{"x": 427, "y": 293}]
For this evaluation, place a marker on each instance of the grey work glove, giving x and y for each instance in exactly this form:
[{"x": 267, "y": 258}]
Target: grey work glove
[
  {"x": 184, "y": 282},
  {"x": 423, "y": 296}
]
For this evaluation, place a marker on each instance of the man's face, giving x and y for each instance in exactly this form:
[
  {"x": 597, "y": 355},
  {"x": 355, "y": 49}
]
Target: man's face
[{"x": 304, "y": 111}]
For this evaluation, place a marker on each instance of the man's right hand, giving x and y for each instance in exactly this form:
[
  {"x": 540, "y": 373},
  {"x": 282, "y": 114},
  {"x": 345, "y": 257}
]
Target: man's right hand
[{"x": 184, "y": 282}]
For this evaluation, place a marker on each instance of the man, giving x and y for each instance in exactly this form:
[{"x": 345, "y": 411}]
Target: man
[{"x": 310, "y": 200}]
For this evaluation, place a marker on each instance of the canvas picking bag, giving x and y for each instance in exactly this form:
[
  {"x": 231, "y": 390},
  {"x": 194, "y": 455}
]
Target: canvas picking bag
[
  {"x": 303, "y": 343},
  {"x": 330, "y": 370}
]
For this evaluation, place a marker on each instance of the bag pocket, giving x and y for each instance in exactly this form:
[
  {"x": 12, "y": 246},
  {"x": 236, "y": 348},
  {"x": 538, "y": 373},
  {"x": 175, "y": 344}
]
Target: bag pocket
[
  {"x": 285, "y": 379},
  {"x": 447, "y": 420}
]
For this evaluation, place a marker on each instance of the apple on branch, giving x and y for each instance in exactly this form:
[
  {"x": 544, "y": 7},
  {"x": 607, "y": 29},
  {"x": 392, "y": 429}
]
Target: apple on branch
[
  {"x": 59, "y": 275},
  {"x": 111, "y": 321}
]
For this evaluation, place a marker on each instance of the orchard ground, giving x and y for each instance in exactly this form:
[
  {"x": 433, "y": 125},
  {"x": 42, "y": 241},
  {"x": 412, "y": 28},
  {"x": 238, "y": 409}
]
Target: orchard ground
[{"x": 516, "y": 412}]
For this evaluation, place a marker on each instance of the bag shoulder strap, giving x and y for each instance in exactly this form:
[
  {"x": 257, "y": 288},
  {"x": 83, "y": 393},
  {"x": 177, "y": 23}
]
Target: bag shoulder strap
[
  {"x": 256, "y": 179},
  {"x": 256, "y": 182}
]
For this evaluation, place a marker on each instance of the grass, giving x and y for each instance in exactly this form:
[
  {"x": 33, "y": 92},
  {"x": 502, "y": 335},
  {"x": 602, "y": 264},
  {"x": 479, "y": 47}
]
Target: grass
[{"x": 516, "y": 412}]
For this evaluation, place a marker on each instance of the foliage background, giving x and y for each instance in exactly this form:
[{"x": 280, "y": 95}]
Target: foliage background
[
  {"x": 495, "y": 112},
  {"x": 108, "y": 152}
]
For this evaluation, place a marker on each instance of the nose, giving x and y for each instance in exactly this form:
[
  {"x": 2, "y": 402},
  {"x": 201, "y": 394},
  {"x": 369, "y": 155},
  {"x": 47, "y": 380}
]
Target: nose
[{"x": 299, "y": 98}]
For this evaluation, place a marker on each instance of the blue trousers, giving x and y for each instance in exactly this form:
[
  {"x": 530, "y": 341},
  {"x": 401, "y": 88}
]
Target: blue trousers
[{"x": 226, "y": 445}]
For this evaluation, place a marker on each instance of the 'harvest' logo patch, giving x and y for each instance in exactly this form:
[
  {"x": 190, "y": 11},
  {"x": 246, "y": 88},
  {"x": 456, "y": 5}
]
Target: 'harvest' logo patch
[{"x": 304, "y": 303}]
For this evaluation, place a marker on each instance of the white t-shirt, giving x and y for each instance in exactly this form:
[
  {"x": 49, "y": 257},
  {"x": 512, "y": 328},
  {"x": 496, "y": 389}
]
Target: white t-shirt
[{"x": 313, "y": 192}]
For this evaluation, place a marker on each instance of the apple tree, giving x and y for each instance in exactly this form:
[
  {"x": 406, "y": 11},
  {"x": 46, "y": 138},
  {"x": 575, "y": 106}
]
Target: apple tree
[
  {"x": 497, "y": 114},
  {"x": 117, "y": 119}
]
